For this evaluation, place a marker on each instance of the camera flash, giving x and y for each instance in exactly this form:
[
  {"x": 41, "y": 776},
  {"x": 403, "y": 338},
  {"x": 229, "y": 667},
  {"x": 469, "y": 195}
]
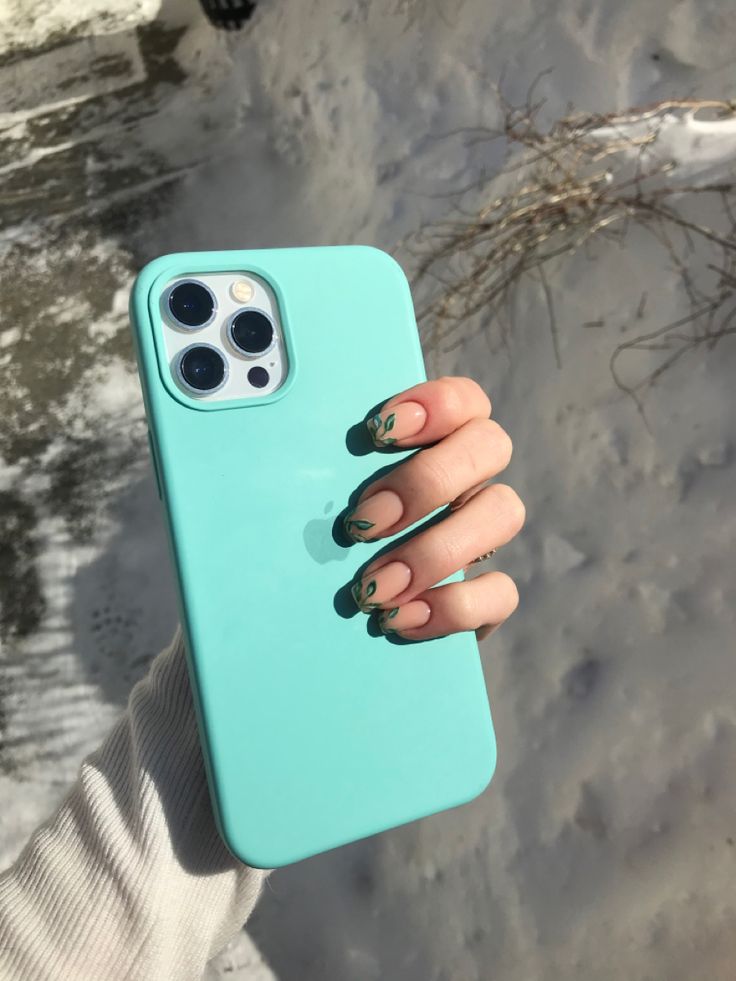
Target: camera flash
[{"x": 242, "y": 291}]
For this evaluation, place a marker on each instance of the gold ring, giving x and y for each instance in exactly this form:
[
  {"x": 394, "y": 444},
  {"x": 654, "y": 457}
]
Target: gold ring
[{"x": 484, "y": 556}]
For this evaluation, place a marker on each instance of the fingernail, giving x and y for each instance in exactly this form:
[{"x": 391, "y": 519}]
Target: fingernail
[
  {"x": 407, "y": 617},
  {"x": 397, "y": 422},
  {"x": 373, "y": 516},
  {"x": 377, "y": 588}
]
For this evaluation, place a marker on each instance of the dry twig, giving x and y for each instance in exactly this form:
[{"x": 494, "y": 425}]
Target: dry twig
[{"x": 587, "y": 176}]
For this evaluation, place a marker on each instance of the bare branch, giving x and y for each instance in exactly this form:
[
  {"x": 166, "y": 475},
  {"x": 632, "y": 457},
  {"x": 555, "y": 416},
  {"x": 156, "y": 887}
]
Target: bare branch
[{"x": 585, "y": 176}]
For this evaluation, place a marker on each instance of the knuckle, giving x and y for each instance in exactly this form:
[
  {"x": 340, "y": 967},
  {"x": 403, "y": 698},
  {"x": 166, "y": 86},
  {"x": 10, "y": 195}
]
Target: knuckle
[
  {"x": 474, "y": 391},
  {"x": 433, "y": 476},
  {"x": 495, "y": 438},
  {"x": 508, "y": 591},
  {"x": 443, "y": 555},
  {"x": 506, "y": 445},
  {"x": 511, "y": 505},
  {"x": 466, "y": 614},
  {"x": 449, "y": 398}
]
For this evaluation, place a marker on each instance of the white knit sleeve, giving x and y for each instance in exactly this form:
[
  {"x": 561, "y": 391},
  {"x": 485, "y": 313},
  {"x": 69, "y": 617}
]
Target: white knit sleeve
[{"x": 129, "y": 879}]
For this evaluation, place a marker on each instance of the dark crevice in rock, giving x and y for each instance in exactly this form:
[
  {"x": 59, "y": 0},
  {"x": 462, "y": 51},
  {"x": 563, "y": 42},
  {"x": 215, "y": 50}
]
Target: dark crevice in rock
[{"x": 21, "y": 600}]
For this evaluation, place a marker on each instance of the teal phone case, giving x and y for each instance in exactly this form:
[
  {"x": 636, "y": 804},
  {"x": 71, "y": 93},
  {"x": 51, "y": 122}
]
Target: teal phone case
[{"x": 316, "y": 729}]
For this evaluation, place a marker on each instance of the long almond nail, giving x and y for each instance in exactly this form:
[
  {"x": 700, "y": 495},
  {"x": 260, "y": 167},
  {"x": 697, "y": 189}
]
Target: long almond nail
[
  {"x": 397, "y": 422},
  {"x": 377, "y": 588},
  {"x": 373, "y": 516},
  {"x": 407, "y": 617}
]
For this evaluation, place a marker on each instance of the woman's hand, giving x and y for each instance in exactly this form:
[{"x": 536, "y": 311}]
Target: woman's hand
[{"x": 465, "y": 449}]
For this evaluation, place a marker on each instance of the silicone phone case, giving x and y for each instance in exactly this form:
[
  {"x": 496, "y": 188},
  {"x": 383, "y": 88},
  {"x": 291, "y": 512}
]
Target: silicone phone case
[{"x": 316, "y": 730}]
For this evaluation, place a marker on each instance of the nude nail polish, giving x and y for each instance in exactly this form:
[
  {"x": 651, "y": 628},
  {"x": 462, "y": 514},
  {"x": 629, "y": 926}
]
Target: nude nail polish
[
  {"x": 377, "y": 588},
  {"x": 397, "y": 422},
  {"x": 373, "y": 516},
  {"x": 407, "y": 617}
]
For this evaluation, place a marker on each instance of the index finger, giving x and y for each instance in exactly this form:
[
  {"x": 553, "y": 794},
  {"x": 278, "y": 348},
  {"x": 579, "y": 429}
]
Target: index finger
[{"x": 428, "y": 412}]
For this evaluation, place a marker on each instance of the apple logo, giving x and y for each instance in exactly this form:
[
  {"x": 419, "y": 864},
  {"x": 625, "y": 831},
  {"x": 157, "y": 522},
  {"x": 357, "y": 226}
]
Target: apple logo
[{"x": 320, "y": 538}]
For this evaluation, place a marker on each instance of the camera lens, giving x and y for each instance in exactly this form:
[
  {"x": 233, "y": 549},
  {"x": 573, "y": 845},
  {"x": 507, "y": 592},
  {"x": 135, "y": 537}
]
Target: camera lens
[
  {"x": 251, "y": 332},
  {"x": 192, "y": 304},
  {"x": 258, "y": 377},
  {"x": 202, "y": 368}
]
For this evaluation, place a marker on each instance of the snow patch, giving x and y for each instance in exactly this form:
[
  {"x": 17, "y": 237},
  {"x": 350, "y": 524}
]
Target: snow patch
[{"x": 560, "y": 556}]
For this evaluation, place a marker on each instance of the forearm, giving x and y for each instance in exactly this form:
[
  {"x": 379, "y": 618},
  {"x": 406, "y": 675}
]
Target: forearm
[{"x": 129, "y": 879}]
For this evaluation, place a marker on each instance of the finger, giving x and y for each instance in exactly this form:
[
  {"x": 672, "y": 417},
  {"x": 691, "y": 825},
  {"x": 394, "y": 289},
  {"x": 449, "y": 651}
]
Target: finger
[
  {"x": 478, "y": 604},
  {"x": 488, "y": 520},
  {"x": 465, "y": 496},
  {"x": 428, "y": 412},
  {"x": 480, "y": 449}
]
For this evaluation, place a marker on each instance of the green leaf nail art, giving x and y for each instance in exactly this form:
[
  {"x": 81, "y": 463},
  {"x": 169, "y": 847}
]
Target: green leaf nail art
[
  {"x": 384, "y": 618},
  {"x": 351, "y": 524},
  {"x": 361, "y": 597},
  {"x": 379, "y": 429}
]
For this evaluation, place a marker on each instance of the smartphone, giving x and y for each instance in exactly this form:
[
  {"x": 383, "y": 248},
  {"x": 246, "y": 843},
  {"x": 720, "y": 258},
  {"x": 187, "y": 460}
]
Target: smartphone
[{"x": 259, "y": 369}]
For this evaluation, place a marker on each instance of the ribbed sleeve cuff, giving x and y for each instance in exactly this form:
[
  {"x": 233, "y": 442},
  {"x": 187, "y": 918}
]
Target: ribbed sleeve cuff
[{"x": 129, "y": 878}]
